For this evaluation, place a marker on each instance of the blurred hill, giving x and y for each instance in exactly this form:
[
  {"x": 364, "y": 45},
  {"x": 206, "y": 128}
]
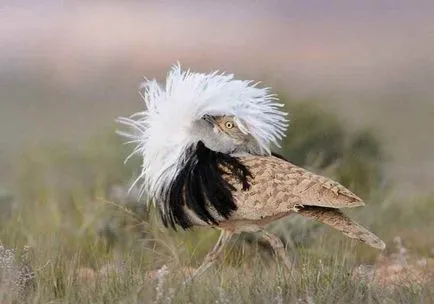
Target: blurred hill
[{"x": 67, "y": 69}]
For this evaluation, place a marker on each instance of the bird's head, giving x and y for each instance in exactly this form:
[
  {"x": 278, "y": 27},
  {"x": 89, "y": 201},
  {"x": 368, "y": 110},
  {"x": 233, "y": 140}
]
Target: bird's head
[
  {"x": 213, "y": 111},
  {"x": 226, "y": 134}
]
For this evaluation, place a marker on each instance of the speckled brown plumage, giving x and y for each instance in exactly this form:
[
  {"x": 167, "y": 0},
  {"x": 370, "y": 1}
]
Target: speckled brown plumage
[
  {"x": 339, "y": 221},
  {"x": 279, "y": 188}
]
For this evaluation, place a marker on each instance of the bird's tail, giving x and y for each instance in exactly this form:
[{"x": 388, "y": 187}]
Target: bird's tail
[{"x": 339, "y": 221}]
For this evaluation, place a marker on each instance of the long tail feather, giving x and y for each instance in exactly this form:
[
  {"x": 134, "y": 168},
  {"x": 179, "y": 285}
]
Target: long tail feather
[{"x": 339, "y": 221}]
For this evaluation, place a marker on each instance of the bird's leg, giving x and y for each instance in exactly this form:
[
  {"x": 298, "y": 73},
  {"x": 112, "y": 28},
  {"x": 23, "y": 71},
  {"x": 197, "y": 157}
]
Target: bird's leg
[
  {"x": 211, "y": 257},
  {"x": 277, "y": 246}
]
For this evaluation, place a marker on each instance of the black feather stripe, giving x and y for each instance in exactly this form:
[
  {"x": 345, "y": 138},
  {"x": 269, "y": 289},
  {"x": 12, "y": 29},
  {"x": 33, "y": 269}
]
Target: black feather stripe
[
  {"x": 200, "y": 185},
  {"x": 195, "y": 195},
  {"x": 279, "y": 156}
]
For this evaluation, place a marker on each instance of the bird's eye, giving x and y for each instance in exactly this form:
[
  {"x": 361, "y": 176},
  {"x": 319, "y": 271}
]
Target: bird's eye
[{"x": 229, "y": 124}]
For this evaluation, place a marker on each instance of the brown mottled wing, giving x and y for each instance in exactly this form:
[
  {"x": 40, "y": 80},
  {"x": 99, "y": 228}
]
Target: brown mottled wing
[
  {"x": 279, "y": 187},
  {"x": 339, "y": 221}
]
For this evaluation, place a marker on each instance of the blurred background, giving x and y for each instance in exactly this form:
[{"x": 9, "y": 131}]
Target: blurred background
[
  {"x": 356, "y": 76},
  {"x": 69, "y": 68}
]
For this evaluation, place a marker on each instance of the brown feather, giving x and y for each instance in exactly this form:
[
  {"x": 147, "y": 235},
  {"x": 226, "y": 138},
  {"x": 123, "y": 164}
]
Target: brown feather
[
  {"x": 339, "y": 221},
  {"x": 278, "y": 186}
]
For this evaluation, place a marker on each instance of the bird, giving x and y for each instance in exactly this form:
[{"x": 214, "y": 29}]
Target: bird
[{"x": 206, "y": 143}]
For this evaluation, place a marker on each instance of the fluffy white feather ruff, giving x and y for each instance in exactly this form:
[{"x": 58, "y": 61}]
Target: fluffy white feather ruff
[{"x": 162, "y": 133}]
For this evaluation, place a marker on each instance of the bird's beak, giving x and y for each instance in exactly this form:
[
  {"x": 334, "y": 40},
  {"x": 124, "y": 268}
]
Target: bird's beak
[{"x": 212, "y": 121}]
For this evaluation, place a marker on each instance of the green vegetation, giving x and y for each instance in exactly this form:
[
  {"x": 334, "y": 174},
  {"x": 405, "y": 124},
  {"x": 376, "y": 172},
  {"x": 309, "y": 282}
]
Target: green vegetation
[
  {"x": 318, "y": 140},
  {"x": 88, "y": 241}
]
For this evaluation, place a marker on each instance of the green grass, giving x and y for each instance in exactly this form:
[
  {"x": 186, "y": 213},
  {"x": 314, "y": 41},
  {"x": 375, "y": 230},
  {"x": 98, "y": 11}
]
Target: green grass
[{"x": 90, "y": 246}]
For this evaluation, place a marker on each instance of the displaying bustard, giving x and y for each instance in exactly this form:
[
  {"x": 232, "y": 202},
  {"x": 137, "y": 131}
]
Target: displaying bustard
[{"x": 205, "y": 144}]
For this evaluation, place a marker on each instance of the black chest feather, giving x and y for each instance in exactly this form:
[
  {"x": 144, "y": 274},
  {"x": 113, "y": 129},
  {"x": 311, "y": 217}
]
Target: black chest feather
[{"x": 199, "y": 185}]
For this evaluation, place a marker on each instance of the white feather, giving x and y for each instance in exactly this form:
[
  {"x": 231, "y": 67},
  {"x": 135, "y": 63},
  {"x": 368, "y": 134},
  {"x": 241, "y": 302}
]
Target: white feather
[{"x": 162, "y": 132}]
